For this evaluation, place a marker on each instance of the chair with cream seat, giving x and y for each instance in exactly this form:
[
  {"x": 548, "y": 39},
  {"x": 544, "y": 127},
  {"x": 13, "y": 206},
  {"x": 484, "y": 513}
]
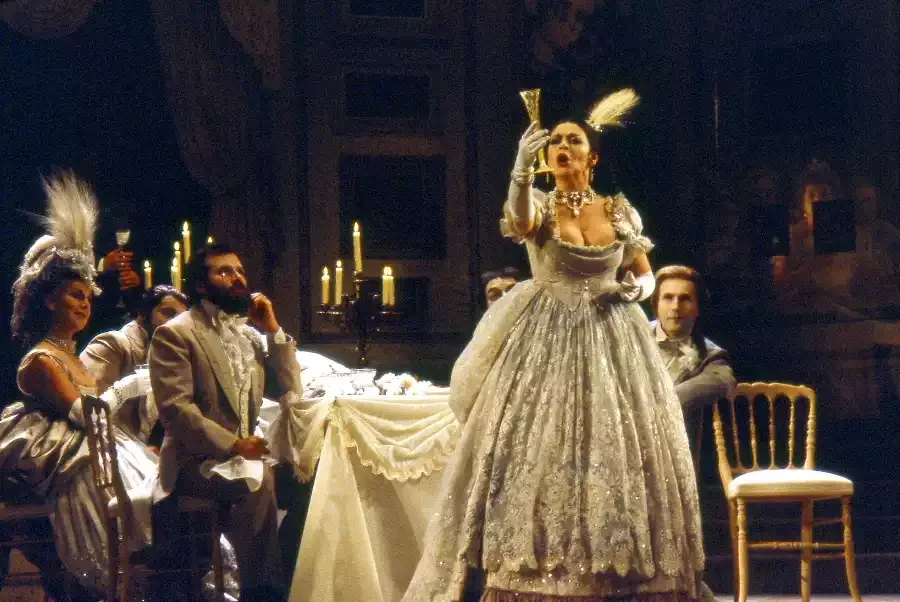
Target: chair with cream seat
[{"x": 747, "y": 481}]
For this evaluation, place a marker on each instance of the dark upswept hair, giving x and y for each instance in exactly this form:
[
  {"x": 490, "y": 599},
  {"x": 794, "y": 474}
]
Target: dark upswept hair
[
  {"x": 31, "y": 318},
  {"x": 198, "y": 272},
  {"x": 683, "y": 272},
  {"x": 155, "y": 295},
  {"x": 604, "y": 182}
]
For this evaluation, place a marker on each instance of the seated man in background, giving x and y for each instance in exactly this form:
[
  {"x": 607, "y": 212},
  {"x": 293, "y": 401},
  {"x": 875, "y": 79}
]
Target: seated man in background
[
  {"x": 498, "y": 282},
  {"x": 113, "y": 355},
  {"x": 209, "y": 368},
  {"x": 698, "y": 367}
]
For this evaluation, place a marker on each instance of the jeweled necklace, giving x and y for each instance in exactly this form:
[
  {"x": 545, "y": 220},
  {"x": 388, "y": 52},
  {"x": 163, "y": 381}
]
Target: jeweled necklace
[
  {"x": 573, "y": 199},
  {"x": 64, "y": 344}
]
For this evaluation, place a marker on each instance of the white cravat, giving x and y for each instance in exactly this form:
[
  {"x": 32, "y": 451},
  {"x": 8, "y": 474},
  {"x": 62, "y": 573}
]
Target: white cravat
[
  {"x": 679, "y": 354},
  {"x": 241, "y": 355}
]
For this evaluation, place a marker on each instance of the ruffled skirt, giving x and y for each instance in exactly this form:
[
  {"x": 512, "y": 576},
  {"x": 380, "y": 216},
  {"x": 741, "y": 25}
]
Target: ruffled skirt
[{"x": 573, "y": 476}]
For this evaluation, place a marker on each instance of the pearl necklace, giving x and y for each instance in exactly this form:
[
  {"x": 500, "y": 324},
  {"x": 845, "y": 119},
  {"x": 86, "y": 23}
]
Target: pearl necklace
[
  {"x": 63, "y": 344},
  {"x": 574, "y": 200}
]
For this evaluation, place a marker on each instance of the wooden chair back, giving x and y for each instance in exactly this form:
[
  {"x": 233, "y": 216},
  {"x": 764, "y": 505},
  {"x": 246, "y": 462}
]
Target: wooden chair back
[
  {"x": 754, "y": 411},
  {"x": 104, "y": 458}
]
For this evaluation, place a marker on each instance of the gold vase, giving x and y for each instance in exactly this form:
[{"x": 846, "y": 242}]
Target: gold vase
[{"x": 532, "y": 100}]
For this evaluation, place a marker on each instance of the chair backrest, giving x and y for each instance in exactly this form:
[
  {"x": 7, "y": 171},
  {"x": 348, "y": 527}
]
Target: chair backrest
[
  {"x": 103, "y": 455},
  {"x": 762, "y": 423}
]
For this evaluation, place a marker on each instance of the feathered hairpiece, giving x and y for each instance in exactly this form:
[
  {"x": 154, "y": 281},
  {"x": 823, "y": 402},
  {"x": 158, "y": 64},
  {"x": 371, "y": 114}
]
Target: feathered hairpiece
[
  {"x": 71, "y": 223},
  {"x": 609, "y": 111}
]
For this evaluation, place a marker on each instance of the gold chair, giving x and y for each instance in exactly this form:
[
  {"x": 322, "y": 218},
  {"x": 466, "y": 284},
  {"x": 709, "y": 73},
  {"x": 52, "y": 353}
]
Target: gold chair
[
  {"x": 119, "y": 511},
  {"x": 797, "y": 483},
  {"x": 16, "y": 508}
]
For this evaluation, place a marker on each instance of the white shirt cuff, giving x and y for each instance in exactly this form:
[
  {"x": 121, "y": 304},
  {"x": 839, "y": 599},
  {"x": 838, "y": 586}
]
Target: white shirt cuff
[{"x": 278, "y": 337}]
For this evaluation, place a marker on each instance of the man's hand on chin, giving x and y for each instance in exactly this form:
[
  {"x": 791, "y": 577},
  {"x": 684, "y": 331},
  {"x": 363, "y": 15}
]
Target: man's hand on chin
[{"x": 261, "y": 314}]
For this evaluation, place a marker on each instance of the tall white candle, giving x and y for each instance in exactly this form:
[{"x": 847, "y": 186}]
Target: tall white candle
[
  {"x": 392, "y": 299},
  {"x": 338, "y": 282},
  {"x": 384, "y": 287},
  {"x": 176, "y": 280},
  {"x": 357, "y": 248},
  {"x": 186, "y": 239},
  {"x": 176, "y": 261},
  {"x": 148, "y": 275},
  {"x": 326, "y": 285}
]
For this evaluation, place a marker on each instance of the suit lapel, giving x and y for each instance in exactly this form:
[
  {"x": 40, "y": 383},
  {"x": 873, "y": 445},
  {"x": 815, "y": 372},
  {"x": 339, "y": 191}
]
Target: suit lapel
[{"x": 211, "y": 344}]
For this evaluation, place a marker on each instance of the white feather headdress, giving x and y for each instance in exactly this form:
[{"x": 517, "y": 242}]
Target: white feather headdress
[
  {"x": 610, "y": 110},
  {"x": 71, "y": 224}
]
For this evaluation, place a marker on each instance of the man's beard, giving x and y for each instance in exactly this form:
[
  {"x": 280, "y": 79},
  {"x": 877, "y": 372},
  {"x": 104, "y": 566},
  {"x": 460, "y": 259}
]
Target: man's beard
[{"x": 229, "y": 300}]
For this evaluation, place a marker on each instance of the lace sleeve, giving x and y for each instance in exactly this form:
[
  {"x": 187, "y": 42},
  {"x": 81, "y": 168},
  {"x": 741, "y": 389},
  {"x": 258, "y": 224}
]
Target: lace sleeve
[
  {"x": 630, "y": 228},
  {"x": 508, "y": 222}
]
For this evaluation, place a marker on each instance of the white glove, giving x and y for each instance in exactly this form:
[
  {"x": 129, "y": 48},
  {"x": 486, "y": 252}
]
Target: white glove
[
  {"x": 531, "y": 142},
  {"x": 129, "y": 387},
  {"x": 637, "y": 288}
]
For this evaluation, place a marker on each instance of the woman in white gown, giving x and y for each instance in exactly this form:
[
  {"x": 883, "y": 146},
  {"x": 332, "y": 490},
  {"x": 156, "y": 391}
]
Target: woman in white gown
[
  {"x": 573, "y": 479},
  {"x": 42, "y": 441}
]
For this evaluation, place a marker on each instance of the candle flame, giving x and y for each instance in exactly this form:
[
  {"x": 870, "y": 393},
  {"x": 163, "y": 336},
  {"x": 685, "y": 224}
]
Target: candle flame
[
  {"x": 325, "y": 272},
  {"x": 210, "y": 240},
  {"x": 185, "y": 228},
  {"x": 389, "y": 271},
  {"x": 356, "y": 227},
  {"x": 340, "y": 265},
  {"x": 177, "y": 247},
  {"x": 146, "y": 264}
]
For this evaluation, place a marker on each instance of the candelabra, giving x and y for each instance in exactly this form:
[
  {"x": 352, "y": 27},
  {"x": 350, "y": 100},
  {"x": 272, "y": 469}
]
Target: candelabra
[{"x": 360, "y": 315}]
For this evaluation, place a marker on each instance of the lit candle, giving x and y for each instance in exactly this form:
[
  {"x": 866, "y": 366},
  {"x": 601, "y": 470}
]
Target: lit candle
[
  {"x": 210, "y": 240},
  {"x": 326, "y": 285},
  {"x": 176, "y": 281},
  {"x": 338, "y": 282},
  {"x": 392, "y": 299},
  {"x": 357, "y": 248},
  {"x": 384, "y": 287},
  {"x": 186, "y": 238},
  {"x": 148, "y": 275},
  {"x": 176, "y": 263}
]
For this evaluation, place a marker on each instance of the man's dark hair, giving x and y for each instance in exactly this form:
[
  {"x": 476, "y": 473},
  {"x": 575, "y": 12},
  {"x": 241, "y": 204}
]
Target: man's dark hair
[
  {"x": 155, "y": 295},
  {"x": 507, "y": 272},
  {"x": 683, "y": 272},
  {"x": 198, "y": 272}
]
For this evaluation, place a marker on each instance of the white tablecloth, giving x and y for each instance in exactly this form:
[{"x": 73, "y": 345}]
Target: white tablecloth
[{"x": 379, "y": 461}]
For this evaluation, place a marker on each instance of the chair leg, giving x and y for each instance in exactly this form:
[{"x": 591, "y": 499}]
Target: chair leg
[
  {"x": 735, "y": 570},
  {"x": 849, "y": 551},
  {"x": 112, "y": 534},
  {"x": 806, "y": 539},
  {"x": 743, "y": 552}
]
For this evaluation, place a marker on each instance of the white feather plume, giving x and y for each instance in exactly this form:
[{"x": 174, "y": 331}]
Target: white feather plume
[
  {"x": 71, "y": 212},
  {"x": 610, "y": 110},
  {"x": 71, "y": 223}
]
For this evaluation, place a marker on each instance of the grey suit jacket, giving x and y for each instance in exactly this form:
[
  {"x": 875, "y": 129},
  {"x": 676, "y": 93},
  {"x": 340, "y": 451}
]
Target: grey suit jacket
[
  {"x": 707, "y": 383},
  {"x": 196, "y": 394},
  {"x": 113, "y": 355}
]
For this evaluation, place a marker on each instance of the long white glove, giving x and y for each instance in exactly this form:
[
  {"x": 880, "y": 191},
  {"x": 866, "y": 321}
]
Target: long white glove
[
  {"x": 129, "y": 387},
  {"x": 637, "y": 288},
  {"x": 530, "y": 144}
]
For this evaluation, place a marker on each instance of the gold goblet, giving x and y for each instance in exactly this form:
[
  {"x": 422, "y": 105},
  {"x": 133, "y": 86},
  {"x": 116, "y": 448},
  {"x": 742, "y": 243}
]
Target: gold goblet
[{"x": 532, "y": 100}]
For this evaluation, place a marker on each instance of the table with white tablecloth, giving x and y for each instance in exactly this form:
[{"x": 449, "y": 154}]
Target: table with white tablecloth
[{"x": 379, "y": 470}]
